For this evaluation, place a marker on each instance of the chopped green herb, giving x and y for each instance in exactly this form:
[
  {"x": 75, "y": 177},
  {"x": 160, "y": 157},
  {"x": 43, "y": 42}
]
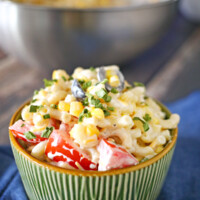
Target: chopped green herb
[
  {"x": 81, "y": 81},
  {"x": 106, "y": 113},
  {"x": 29, "y": 135},
  {"x": 88, "y": 95},
  {"x": 101, "y": 93},
  {"x": 48, "y": 83},
  {"x": 36, "y": 92},
  {"x": 104, "y": 81},
  {"x": 85, "y": 113},
  {"x": 94, "y": 101},
  {"x": 129, "y": 87},
  {"x": 34, "y": 100},
  {"x": 107, "y": 98},
  {"x": 147, "y": 117},
  {"x": 80, "y": 118},
  {"x": 138, "y": 84},
  {"x": 146, "y": 97},
  {"x": 85, "y": 102},
  {"x": 99, "y": 105},
  {"x": 92, "y": 69},
  {"x": 39, "y": 107},
  {"x": 88, "y": 115},
  {"x": 110, "y": 108},
  {"x": 54, "y": 106},
  {"x": 47, "y": 132},
  {"x": 145, "y": 124},
  {"x": 70, "y": 78},
  {"x": 64, "y": 79},
  {"x": 143, "y": 103},
  {"x": 47, "y": 116},
  {"x": 114, "y": 91},
  {"x": 86, "y": 85},
  {"x": 33, "y": 108},
  {"x": 22, "y": 125}
]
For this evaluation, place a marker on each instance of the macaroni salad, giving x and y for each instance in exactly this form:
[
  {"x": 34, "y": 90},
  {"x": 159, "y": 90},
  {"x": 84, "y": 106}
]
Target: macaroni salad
[{"x": 93, "y": 120}]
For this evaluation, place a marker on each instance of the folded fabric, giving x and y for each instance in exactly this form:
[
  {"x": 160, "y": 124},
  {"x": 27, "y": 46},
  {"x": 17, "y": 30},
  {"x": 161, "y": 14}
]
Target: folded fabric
[{"x": 182, "y": 182}]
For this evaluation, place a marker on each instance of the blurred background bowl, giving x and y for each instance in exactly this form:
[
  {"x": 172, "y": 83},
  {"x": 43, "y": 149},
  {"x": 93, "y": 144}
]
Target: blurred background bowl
[{"x": 51, "y": 37}]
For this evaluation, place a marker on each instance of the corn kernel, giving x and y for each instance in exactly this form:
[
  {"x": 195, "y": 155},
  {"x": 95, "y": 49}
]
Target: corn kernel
[
  {"x": 63, "y": 106},
  {"x": 159, "y": 149},
  {"x": 114, "y": 81},
  {"x": 92, "y": 130},
  {"x": 76, "y": 108},
  {"x": 97, "y": 113}
]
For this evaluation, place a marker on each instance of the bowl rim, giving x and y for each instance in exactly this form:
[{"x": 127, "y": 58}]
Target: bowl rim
[
  {"x": 77, "y": 172},
  {"x": 94, "y": 9}
]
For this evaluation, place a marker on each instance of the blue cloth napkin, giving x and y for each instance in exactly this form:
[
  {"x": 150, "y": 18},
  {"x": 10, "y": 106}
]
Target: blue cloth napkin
[{"x": 182, "y": 182}]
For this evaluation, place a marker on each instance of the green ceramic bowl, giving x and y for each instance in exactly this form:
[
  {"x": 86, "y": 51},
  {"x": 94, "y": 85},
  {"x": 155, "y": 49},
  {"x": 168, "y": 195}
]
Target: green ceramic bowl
[{"x": 44, "y": 181}]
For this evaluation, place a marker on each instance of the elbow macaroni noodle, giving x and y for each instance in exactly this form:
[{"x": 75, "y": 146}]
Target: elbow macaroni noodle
[{"x": 119, "y": 126}]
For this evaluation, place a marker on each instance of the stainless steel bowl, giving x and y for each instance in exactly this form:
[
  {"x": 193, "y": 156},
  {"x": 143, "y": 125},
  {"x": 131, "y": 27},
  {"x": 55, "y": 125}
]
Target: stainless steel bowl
[{"x": 65, "y": 38}]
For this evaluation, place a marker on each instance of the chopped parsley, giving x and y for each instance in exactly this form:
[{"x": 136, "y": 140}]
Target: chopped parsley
[
  {"x": 102, "y": 82},
  {"x": 86, "y": 85},
  {"x": 48, "y": 83},
  {"x": 145, "y": 124},
  {"x": 54, "y": 106},
  {"x": 64, "y": 79},
  {"x": 103, "y": 94},
  {"x": 147, "y": 117},
  {"x": 47, "y": 132},
  {"x": 85, "y": 102},
  {"x": 97, "y": 104},
  {"x": 47, "y": 116},
  {"x": 34, "y": 100},
  {"x": 92, "y": 69},
  {"x": 36, "y": 92},
  {"x": 34, "y": 108},
  {"x": 138, "y": 84},
  {"x": 129, "y": 87},
  {"x": 81, "y": 82},
  {"x": 70, "y": 78},
  {"x": 85, "y": 113},
  {"x": 106, "y": 112},
  {"x": 110, "y": 108},
  {"x": 107, "y": 98},
  {"x": 22, "y": 125},
  {"x": 29, "y": 135},
  {"x": 114, "y": 91}
]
